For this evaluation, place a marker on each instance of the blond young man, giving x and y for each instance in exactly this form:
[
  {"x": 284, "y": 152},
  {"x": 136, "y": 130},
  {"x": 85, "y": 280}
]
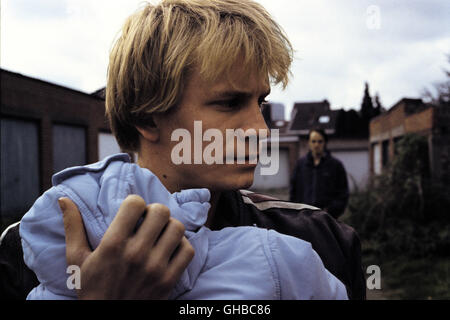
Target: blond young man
[{"x": 175, "y": 63}]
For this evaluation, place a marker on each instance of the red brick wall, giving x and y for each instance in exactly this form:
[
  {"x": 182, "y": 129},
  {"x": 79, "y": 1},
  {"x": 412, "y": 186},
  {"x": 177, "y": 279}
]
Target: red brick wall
[
  {"x": 384, "y": 126},
  {"x": 419, "y": 122},
  {"x": 31, "y": 99}
]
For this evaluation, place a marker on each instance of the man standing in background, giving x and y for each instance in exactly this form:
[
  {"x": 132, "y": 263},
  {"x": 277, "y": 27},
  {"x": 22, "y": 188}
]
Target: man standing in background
[{"x": 319, "y": 179}]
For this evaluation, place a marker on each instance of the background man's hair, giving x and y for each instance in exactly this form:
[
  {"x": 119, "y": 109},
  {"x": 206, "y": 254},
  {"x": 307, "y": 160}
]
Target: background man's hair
[
  {"x": 160, "y": 44},
  {"x": 319, "y": 131}
]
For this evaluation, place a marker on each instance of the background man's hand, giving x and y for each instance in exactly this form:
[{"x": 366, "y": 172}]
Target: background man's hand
[{"x": 128, "y": 265}]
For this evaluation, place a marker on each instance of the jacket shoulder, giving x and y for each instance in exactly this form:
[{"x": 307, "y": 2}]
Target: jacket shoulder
[
  {"x": 300, "y": 216},
  {"x": 337, "y": 244},
  {"x": 16, "y": 279},
  {"x": 96, "y": 167},
  {"x": 302, "y": 161},
  {"x": 335, "y": 161}
]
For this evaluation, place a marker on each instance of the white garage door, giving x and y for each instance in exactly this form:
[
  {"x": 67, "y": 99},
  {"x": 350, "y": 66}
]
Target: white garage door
[
  {"x": 356, "y": 164},
  {"x": 276, "y": 181}
]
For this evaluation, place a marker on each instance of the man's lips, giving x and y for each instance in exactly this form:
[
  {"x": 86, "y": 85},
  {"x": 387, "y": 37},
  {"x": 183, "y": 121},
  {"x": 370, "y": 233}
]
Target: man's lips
[{"x": 247, "y": 158}]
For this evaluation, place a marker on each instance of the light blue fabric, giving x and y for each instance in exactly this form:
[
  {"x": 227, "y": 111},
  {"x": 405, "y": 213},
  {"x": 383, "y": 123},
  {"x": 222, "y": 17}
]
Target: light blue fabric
[{"x": 233, "y": 263}]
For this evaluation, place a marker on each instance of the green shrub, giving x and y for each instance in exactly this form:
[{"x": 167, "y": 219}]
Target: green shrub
[{"x": 403, "y": 210}]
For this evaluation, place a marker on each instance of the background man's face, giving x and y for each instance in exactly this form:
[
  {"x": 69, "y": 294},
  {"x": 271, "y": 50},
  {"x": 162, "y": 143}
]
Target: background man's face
[
  {"x": 219, "y": 105},
  {"x": 316, "y": 144}
]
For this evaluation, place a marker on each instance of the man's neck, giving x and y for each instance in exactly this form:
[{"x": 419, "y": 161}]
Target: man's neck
[
  {"x": 317, "y": 158},
  {"x": 172, "y": 186},
  {"x": 162, "y": 172},
  {"x": 215, "y": 195}
]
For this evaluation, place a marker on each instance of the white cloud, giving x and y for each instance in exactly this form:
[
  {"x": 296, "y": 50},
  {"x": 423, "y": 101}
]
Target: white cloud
[
  {"x": 339, "y": 52},
  {"x": 68, "y": 42},
  {"x": 69, "y": 48}
]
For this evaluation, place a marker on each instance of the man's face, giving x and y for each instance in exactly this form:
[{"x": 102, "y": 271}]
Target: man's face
[
  {"x": 316, "y": 144},
  {"x": 222, "y": 105}
]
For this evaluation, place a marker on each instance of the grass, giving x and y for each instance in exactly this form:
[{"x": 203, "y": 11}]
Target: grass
[
  {"x": 408, "y": 278},
  {"x": 402, "y": 277}
]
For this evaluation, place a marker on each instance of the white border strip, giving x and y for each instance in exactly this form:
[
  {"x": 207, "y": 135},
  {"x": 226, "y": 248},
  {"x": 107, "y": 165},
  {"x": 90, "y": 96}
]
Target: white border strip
[
  {"x": 278, "y": 204},
  {"x": 6, "y": 231},
  {"x": 245, "y": 192}
]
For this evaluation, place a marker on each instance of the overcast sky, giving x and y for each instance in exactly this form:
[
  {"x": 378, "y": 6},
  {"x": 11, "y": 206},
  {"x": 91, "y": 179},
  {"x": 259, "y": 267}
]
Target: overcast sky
[{"x": 399, "y": 46}]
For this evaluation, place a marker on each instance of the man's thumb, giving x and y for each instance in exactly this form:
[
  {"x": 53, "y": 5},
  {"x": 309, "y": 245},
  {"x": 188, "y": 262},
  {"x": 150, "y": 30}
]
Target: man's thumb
[{"x": 77, "y": 246}]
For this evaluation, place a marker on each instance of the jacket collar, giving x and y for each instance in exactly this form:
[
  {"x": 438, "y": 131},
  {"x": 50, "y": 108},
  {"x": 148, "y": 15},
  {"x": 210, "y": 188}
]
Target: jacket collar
[{"x": 310, "y": 159}]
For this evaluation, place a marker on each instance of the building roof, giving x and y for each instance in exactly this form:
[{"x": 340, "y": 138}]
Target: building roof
[
  {"x": 100, "y": 93},
  {"x": 46, "y": 83},
  {"x": 308, "y": 115},
  {"x": 411, "y": 106},
  {"x": 273, "y": 114}
]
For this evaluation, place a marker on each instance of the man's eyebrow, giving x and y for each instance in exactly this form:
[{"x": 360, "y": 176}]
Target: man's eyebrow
[
  {"x": 235, "y": 94},
  {"x": 230, "y": 94}
]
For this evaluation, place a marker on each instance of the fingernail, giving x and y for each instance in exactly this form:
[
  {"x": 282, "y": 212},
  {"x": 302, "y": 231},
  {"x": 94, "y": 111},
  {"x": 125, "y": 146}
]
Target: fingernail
[{"x": 62, "y": 205}]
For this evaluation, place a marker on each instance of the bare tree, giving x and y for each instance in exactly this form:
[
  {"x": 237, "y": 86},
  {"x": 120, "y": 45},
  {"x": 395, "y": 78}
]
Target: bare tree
[{"x": 440, "y": 95}]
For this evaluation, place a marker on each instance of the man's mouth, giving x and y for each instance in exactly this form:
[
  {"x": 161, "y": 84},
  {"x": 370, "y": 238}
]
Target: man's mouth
[
  {"x": 252, "y": 159},
  {"x": 246, "y": 158}
]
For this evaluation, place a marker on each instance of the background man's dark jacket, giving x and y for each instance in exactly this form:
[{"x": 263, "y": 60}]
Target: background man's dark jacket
[
  {"x": 324, "y": 186},
  {"x": 337, "y": 244}
]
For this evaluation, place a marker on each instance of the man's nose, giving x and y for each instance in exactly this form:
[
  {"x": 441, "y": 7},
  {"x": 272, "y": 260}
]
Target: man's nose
[{"x": 258, "y": 123}]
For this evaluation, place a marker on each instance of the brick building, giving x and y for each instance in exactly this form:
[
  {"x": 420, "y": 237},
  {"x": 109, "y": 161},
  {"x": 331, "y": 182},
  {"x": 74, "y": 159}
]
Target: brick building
[
  {"x": 44, "y": 129},
  {"x": 412, "y": 116}
]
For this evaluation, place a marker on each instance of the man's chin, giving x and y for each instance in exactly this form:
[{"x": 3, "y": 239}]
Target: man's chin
[
  {"x": 245, "y": 185},
  {"x": 242, "y": 181}
]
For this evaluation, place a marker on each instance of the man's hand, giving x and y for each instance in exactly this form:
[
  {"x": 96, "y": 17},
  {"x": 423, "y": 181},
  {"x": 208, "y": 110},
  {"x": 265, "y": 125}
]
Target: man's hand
[{"x": 127, "y": 265}]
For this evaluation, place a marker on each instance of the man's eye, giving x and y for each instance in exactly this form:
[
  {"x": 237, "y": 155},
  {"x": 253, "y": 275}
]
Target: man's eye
[
  {"x": 231, "y": 104},
  {"x": 263, "y": 102}
]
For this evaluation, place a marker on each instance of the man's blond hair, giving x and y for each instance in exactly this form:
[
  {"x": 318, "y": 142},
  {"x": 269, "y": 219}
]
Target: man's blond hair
[{"x": 160, "y": 44}]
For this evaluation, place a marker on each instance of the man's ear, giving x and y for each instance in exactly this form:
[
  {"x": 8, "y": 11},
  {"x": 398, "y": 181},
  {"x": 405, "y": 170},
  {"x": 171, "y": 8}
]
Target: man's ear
[{"x": 149, "y": 133}]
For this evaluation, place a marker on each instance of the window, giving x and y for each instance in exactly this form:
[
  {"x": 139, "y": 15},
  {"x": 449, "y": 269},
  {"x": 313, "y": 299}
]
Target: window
[
  {"x": 20, "y": 178},
  {"x": 69, "y": 146},
  {"x": 107, "y": 145},
  {"x": 324, "y": 119},
  {"x": 376, "y": 158},
  {"x": 396, "y": 141},
  {"x": 385, "y": 152}
]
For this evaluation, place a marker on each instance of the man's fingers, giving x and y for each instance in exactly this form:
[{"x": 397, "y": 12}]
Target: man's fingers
[
  {"x": 77, "y": 246},
  {"x": 156, "y": 218},
  {"x": 124, "y": 223},
  {"x": 169, "y": 240},
  {"x": 181, "y": 259}
]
